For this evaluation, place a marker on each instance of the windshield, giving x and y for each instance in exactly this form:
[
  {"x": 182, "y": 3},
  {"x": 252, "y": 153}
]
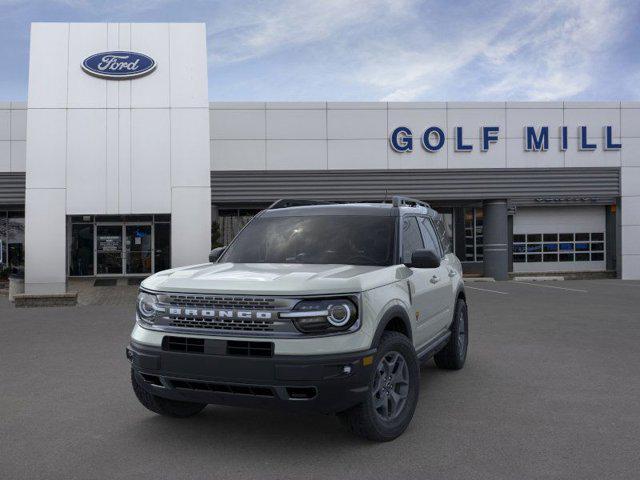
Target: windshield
[{"x": 347, "y": 240}]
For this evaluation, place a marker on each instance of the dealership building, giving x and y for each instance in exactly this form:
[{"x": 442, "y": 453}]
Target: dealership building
[{"x": 119, "y": 165}]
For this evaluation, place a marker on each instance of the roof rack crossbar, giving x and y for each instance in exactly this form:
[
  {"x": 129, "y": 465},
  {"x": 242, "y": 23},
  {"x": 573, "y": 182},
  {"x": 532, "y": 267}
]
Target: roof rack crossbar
[
  {"x": 294, "y": 202},
  {"x": 399, "y": 200}
]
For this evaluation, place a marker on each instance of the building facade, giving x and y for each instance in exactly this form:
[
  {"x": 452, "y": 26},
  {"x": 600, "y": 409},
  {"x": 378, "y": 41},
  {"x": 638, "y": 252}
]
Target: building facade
[{"x": 134, "y": 174}]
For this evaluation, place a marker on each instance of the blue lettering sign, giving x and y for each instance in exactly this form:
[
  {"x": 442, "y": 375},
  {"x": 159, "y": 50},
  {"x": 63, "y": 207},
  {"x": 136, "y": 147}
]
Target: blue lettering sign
[
  {"x": 534, "y": 142},
  {"x": 489, "y": 135},
  {"x": 118, "y": 65},
  {"x": 460, "y": 146},
  {"x": 583, "y": 143},
  {"x": 401, "y": 140},
  {"x": 564, "y": 138},
  {"x": 426, "y": 139},
  {"x": 608, "y": 139}
]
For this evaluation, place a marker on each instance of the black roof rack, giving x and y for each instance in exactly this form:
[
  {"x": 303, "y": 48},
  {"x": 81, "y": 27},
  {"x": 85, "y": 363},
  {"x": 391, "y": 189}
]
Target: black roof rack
[
  {"x": 293, "y": 202},
  {"x": 399, "y": 201}
]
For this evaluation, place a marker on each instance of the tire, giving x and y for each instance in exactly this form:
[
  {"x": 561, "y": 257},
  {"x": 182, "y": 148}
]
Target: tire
[
  {"x": 368, "y": 419},
  {"x": 454, "y": 353},
  {"x": 164, "y": 406}
]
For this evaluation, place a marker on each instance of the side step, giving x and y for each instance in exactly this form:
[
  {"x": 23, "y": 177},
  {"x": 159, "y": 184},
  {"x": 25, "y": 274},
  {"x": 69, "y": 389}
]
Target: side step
[{"x": 433, "y": 347}]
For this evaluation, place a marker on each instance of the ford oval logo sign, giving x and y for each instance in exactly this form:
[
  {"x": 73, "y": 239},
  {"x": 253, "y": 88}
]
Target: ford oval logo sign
[{"x": 118, "y": 65}]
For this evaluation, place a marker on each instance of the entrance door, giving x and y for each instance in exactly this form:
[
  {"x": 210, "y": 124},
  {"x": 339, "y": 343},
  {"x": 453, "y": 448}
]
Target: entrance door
[
  {"x": 139, "y": 249},
  {"x": 109, "y": 250}
]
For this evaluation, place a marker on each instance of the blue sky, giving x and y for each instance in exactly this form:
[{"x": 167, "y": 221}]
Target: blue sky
[{"x": 399, "y": 50}]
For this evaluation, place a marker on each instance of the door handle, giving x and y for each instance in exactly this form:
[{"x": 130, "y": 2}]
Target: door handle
[{"x": 434, "y": 279}]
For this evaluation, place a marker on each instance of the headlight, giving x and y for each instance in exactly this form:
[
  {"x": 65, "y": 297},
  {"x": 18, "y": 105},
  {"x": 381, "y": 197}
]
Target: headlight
[
  {"x": 323, "y": 315},
  {"x": 147, "y": 307}
]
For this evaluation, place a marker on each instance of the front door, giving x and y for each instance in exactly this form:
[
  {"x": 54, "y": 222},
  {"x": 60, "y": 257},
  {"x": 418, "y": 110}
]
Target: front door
[
  {"x": 109, "y": 251},
  {"x": 139, "y": 249}
]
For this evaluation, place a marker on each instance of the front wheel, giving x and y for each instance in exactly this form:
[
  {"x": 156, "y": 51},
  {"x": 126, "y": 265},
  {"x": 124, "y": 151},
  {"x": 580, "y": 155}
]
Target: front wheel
[
  {"x": 454, "y": 354},
  {"x": 393, "y": 392}
]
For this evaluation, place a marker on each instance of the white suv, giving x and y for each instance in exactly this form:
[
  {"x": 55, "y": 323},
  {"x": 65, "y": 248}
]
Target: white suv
[{"x": 313, "y": 306}]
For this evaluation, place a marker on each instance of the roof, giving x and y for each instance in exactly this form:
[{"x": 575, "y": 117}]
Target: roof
[{"x": 370, "y": 209}]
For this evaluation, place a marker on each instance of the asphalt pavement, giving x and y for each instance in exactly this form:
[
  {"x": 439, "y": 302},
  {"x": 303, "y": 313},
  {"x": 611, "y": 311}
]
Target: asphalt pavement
[{"x": 551, "y": 390}]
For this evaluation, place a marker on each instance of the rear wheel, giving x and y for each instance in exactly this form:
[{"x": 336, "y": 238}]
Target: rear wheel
[
  {"x": 393, "y": 394},
  {"x": 164, "y": 406},
  {"x": 454, "y": 354}
]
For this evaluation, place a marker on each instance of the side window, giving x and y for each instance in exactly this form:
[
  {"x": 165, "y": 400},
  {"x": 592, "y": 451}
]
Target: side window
[
  {"x": 411, "y": 238},
  {"x": 430, "y": 238},
  {"x": 443, "y": 233}
]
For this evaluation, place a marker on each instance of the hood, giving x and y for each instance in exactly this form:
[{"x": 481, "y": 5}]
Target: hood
[{"x": 274, "y": 278}]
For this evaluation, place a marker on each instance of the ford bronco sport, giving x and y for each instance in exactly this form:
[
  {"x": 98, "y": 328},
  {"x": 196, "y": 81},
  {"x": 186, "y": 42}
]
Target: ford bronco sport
[{"x": 313, "y": 306}]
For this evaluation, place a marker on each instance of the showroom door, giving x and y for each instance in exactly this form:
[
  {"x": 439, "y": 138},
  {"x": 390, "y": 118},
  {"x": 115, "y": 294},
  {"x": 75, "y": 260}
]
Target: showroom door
[
  {"x": 109, "y": 253},
  {"x": 138, "y": 249}
]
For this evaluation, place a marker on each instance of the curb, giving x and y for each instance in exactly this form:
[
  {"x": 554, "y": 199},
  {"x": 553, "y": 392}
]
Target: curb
[{"x": 549, "y": 278}]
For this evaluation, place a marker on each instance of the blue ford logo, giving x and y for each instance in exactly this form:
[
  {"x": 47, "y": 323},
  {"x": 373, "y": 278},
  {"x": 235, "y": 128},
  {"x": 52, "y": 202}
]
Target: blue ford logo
[{"x": 118, "y": 65}]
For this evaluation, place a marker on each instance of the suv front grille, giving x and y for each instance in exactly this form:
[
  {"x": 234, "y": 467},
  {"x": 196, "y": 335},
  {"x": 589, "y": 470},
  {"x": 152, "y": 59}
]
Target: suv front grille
[
  {"x": 242, "y": 325},
  {"x": 219, "y": 301},
  {"x": 183, "y": 344},
  {"x": 250, "y": 349}
]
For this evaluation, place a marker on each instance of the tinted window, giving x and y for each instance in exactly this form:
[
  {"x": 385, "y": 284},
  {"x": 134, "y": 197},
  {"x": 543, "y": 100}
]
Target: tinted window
[
  {"x": 430, "y": 239},
  {"x": 411, "y": 238},
  {"x": 346, "y": 240},
  {"x": 443, "y": 233}
]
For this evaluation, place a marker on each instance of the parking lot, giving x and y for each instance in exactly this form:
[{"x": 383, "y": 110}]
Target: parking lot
[{"x": 551, "y": 390}]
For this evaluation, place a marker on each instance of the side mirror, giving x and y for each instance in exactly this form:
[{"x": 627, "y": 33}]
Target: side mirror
[
  {"x": 215, "y": 254},
  {"x": 424, "y": 259}
]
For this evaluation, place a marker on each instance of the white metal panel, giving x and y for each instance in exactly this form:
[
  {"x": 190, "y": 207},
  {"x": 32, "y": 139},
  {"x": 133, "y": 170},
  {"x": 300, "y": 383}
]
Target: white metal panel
[
  {"x": 188, "y": 61},
  {"x": 48, "y": 60},
  {"x": 518, "y": 157},
  {"x": 357, "y": 154},
  {"x": 111, "y": 163},
  {"x": 630, "y": 122},
  {"x": 18, "y": 156},
  {"x": 238, "y": 155},
  {"x": 493, "y": 158},
  {"x": 18, "y": 124},
  {"x": 357, "y": 124},
  {"x": 150, "y": 160},
  {"x": 630, "y": 181},
  {"x": 152, "y": 90},
  {"x": 574, "y": 157},
  {"x": 237, "y": 124},
  {"x": 592, "y": 118},
  {"x": 86, "y": 161},
  {"x": 5, "y": 156},
  {"x": 124, "y": 161},
  {"x": 296, "y": 124},
  {"x": 45, "y": 241},
  {"x": 630, "y": 153},
  {"x": 418, "y": 120},
  {"x": 471, "y": 119},
  {"x": 630, "y": 235},
  {"x": 47, "y": 152},
  {"x": 113, "y": 43},
  {"x": 5, "y": 124},
  {"x": 86, "y": 91},
  {"x": 296, "y": 154},
  {"x": 190, "y": 225},
  {"x": 124, "y": 86},
  {"x": 518, "y": 118},
  {"x": 190, "y": 147},
  {"x": 630, "y": 211},
  {"x": 418, "y": 158}
]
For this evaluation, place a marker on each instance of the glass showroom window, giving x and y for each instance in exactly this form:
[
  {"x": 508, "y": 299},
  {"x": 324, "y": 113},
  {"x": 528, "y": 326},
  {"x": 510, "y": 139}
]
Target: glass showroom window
[
  {"x": 558, "y": 247},
  {"x": 12, "y": 239},
  {"x": 473, "y": 233}
]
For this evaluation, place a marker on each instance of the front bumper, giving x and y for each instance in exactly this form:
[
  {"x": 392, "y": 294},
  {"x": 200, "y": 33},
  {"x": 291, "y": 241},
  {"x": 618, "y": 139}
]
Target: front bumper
[{"x": 322, "y": 383}]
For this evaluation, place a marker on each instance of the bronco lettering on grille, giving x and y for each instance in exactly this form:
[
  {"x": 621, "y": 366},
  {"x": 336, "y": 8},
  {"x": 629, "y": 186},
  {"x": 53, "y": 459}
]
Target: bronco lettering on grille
[{"x": 218, "y": 313}]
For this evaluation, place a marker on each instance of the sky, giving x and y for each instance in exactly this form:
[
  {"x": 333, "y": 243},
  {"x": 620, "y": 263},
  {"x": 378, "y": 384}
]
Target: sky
[{"x": 377, "y": 50}]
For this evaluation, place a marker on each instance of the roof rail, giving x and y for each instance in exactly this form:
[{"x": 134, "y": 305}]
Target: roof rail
[
  {"x": 292, "y": 202},
  {"x": 399, "y": 200}
]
